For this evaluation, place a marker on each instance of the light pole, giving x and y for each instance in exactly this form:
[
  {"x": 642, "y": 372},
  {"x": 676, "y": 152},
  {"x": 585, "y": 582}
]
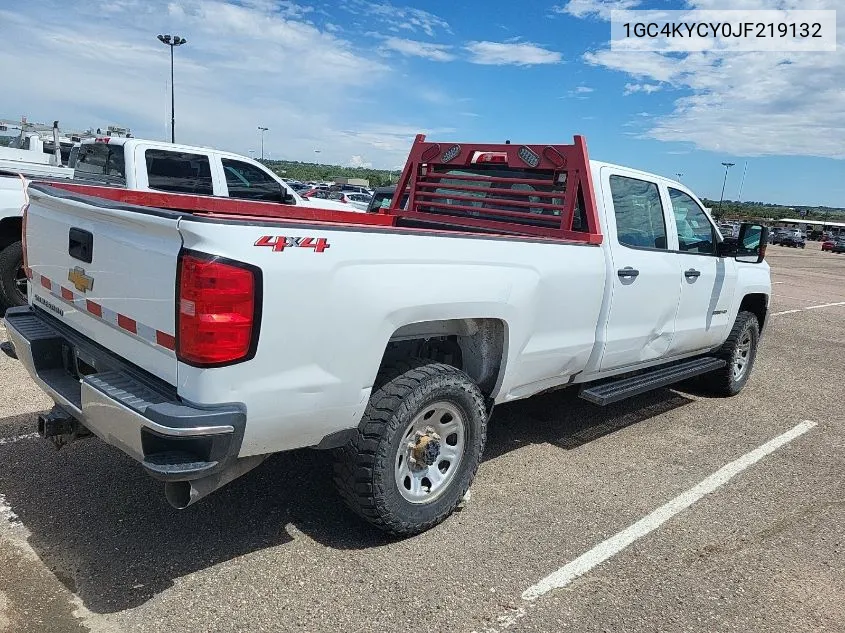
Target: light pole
[
  {"x": 742, "y": 182},
  {"x": 263, "y": 129},
  {"x": 172, "y": 42},
  {"x": 724, "y": 182},
  {"x": 679, "y": 174}
]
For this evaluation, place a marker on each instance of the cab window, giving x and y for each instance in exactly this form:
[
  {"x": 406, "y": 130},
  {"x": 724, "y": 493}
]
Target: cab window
[
  {"x": 100, "y": 162},
  {"x": 180, "y": 172},
  {"x": 248, "y": 182},
  {"x": 639, "y": 213},
  {"x": 695, "y": 232}
]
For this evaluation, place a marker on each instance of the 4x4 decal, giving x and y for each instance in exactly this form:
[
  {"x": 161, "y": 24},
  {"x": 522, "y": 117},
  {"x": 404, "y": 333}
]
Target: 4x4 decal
[{"x": 280, "y": 242}]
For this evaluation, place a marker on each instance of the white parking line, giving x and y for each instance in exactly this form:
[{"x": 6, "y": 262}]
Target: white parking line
[
  {"x": 6, "y": 513},
  {"x": 826, "y": 305},
  {"x": 644, "y": 526},
  {"x": 19, "y": 438},
  {"x": 823, "y": 305}
]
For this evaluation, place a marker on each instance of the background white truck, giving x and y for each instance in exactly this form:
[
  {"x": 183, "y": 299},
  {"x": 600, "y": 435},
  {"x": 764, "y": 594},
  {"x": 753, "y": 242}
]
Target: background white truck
[
  {"x": 201, "y": 339},
  {"x": 141, "y": 165}
]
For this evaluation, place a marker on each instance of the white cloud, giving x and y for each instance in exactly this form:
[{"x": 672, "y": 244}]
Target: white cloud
[
  {"x": 746, "y": 103},
  {"x": 246, "y": 64},
  {"x": 595, "y": 8},
  {"x": 579, "y": 92},
  {"x": 644, "y": 88},
  {"x": 408, "y": 18},
  {"x": 394, "y": 139},
  {"x": 511, "y": 53},
  {"x": 413, "y": 48},
  {"x": 358, "y": 161}
]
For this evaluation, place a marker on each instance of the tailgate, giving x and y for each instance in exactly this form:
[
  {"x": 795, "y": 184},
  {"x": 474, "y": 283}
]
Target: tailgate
[{"x": 108, "y": 271}]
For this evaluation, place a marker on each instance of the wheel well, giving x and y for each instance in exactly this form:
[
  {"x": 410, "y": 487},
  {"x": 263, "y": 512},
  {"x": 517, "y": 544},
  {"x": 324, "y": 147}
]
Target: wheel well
[
  {"x": 756, "y": 304},
  {"x": 475, "y": 346},
  {"x": 10, "y": 231}
]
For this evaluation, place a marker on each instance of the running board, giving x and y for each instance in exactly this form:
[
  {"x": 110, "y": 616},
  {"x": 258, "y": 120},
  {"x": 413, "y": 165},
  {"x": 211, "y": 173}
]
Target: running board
[{"x": 616, "y": 390}]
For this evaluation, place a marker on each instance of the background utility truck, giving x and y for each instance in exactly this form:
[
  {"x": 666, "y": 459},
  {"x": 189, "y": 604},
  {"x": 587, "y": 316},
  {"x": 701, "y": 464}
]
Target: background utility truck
[
  {"x": 142, "y": 165},
  {"x": 202, "y": 334}
]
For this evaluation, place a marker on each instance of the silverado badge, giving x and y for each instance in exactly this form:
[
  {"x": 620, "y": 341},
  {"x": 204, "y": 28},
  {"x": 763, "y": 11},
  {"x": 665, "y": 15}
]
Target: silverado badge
[{"x": 80, "y": 280}]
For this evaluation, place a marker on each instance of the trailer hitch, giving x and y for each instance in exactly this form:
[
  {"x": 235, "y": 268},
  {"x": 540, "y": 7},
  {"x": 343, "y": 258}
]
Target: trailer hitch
[{"x": 60, "y": 428}]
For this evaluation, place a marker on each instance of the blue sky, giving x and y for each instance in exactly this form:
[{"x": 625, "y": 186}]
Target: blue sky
[{"x": 356, "y": 79}]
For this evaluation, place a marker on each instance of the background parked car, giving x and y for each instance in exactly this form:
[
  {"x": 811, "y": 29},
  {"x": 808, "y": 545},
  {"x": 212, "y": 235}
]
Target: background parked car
[
  {"x": 382, "y": 198},
  {"x": 355, "y": 189},
  {"x": 315, "y": 192},
  {"x": 839, "y": 245},
  {"x": 828, "y": 244},
  {"x": 776, "y": 235},
  {"x": 794, "y": 239},
  {"x": 358, "y": 200}
]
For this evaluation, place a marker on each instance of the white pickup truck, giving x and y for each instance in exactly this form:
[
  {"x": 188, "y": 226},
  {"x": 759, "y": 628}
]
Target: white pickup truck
[
  {"x": 143, "y": 165},
  {"x": 200, "y": 338}
]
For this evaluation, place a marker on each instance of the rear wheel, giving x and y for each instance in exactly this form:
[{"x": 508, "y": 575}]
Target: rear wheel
[
  {"x": 12, "y": 276},
  {"x": 740, "y": 351},
  {"x": 417, "y": 448}
]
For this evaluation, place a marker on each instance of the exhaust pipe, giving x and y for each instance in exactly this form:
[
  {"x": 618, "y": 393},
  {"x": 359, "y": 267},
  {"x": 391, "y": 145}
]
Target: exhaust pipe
[{"x": 181, "y": 494}]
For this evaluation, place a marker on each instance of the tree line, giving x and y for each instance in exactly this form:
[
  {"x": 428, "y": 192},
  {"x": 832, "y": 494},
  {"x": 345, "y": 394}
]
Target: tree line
[
  {"x": 321, "y": 172},
  {"x": 741, "y": 210}
]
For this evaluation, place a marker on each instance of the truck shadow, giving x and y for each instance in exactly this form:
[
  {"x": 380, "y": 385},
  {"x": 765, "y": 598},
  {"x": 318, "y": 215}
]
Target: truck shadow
[{"x": 105, "y": 530}]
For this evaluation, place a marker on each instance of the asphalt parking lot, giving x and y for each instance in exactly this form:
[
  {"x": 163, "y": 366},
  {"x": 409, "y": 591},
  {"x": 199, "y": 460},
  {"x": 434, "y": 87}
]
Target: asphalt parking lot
[{"x": 87, "y": 542}]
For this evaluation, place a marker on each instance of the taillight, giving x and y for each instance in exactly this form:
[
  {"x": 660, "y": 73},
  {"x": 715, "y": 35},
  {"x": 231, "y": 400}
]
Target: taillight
[
  {"x": 217, "y": 310},
  {"x": 23, "y": 242}
]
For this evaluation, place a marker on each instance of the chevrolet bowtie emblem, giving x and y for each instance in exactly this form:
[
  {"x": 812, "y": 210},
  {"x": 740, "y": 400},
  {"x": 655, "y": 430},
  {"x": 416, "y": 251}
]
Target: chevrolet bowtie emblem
[{"x": 80, "y": 280}]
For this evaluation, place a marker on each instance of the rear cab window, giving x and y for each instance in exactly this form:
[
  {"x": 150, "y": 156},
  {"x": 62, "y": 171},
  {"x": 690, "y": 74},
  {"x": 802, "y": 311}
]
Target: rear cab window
[
  {"x": 179, "y": 172},
  {"x": 102, "y": 163},
  {"x": 640, "y": 220}
]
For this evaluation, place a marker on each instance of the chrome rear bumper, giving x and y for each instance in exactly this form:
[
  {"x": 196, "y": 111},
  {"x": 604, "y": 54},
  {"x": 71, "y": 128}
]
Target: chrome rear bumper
[{"x": 122, "y": 405}]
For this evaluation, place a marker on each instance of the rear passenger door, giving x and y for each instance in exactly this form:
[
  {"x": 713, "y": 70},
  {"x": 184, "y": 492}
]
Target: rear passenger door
[
  {"x": 640, "y": 323},
  {"x": 708, "y": 281}
]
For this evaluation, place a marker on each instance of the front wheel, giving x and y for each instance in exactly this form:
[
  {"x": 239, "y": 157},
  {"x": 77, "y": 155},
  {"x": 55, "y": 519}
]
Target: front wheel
[
  {"x": 417, "y": 448},
  {"x": 740, "y": 351},
  {"x": 12, "y": 277}
]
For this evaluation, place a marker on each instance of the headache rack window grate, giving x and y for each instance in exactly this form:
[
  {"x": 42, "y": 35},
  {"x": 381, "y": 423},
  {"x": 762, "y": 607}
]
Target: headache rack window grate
[{"x": 543, "y": 191}]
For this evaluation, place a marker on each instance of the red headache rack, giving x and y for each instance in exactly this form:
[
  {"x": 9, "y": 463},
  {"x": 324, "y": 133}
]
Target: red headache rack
[{"x": 535, "y": 190}]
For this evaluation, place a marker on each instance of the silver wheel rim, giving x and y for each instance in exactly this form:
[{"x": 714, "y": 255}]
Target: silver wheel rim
[
  {"x": 418, "y": 482},
  {"x": 21, "y": 280},
  {"x": 742, "y": 356}
]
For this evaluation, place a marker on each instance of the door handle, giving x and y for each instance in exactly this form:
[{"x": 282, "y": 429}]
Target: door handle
[
  {"x": 692, "y": 273},
  {"x": 627, "y": 272}
]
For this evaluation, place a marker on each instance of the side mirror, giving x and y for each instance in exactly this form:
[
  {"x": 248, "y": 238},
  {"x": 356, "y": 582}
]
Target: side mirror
[
  {"x": 285, "y": 196},
  {"x": 751, "y": 244}
]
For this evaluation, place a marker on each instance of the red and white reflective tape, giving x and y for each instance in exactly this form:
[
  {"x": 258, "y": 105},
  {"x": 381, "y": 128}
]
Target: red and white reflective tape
[{"x": 143, "y": 332}]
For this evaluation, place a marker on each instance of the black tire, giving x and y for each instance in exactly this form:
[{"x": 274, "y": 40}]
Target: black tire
[
  {"x": 11, "y": 267},
  {"x": 726, "y": 381},
  {"x": 364, "y": 469}
]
